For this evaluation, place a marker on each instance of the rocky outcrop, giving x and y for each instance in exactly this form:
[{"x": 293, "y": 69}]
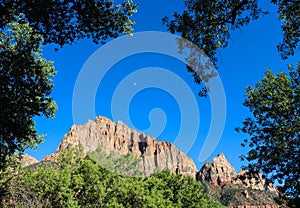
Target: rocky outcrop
[
  {"x": 116, "y": 136},
  {"x": 217, "y": 173},
  {"x": 52, "y": 157},
  {"x": 27, "y": 160},
  {"x": 220, "y": 180},
  {"x": 242, "y": 190},
  {"x": 254, "y": 181},
  {"x": 220, "y": 172}
]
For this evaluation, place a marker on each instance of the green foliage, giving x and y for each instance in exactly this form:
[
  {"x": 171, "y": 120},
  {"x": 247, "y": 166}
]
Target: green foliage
[
  {"x": 208, "y": 24},
  {"x": 63, "y": 22},
  {"x": 180, "y": 191},
  {"x": 274, "y": 128},
  {"x": 234, "y": 195},
  {"x": 25, "y": 77},
  {"x": 289, "y": 14},
  {"x": 25, "y": 87},
  {"x": 81, "y": 182},
  {"x": 128, "y": 165}
]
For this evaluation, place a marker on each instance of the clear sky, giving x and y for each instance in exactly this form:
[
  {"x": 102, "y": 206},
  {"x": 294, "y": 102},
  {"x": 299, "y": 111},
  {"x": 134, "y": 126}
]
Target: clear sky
[{"x": 241, "y": 64}]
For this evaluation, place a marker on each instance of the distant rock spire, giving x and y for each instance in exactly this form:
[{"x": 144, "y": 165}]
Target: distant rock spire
[{"x": 217, "y": 173}]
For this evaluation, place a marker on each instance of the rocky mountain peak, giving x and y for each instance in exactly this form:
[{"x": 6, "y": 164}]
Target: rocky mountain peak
[
  {"x": 218, "y": 177},
  {"x": 221, "y": 159},
  {"x": 244, "y": 189},
  {"x": 220, "y": 172},
  {"x": 217, "y": 173},
  {"x": 116, "y": 136}
]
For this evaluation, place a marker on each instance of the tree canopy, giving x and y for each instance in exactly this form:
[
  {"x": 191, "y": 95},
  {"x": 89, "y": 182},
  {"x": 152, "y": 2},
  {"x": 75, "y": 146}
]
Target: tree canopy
[
  {"x": 26, "y": 78},
  {"x": 209, "y": 24},
  {"x": 25, "y": 86},
  {"x": 274, "y": 128},
  {"x": 63, "y": 22},
  {"x": 274, "y": 102},
  {"x": 82, "y": 182}
]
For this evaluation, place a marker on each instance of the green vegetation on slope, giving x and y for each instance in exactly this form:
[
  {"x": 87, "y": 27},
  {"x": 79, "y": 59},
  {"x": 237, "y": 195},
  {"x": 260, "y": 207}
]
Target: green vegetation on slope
[
  {"x": 26, "y": 78},
  {"x": 81, "y": 182},
  {"x": 113, "y": 161}
]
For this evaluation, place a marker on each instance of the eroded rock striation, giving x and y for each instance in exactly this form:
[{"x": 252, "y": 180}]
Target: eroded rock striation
[
  {"x": 242, "y": 190},
  {"x": 116, "y": 136},
  {"x": 217, "y": 173},
  {"x": 220, "y": 172}
]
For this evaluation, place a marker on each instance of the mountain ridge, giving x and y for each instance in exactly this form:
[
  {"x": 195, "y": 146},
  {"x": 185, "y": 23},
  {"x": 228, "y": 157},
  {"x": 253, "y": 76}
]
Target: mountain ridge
[
  {"x": 116, "y": 136},
  {"x": 218, "y": 176}
]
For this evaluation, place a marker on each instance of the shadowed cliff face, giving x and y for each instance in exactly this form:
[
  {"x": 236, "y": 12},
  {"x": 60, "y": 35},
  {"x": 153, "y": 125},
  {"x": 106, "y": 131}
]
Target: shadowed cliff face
[{"x": 116, "y": 136}]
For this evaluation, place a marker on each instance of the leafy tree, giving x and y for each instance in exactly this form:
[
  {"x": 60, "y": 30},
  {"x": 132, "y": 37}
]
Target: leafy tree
[
  {"x": 25, "y": 77},
  {"x": 113, "y": 161},
  {"x": 25, "y": 87},
  {"x": 274, "y": 128},
  {"x": 182, "y": 191},
  {"x": 81, "y": 182},
  {"x": 289, "y": 14},
  {"x": 209, "y": 24},
  {"x": 90, "y": 184},
  {"x": 63, "y": 22}
]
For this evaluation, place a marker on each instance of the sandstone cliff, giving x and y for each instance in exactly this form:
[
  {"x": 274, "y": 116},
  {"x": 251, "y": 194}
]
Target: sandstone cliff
[
  {"x": 116, "y": 136},
  {"x": 220, "y": 180},
  {"x": 220, "y": 172},
  {"x": 217, "y": 173},
  {"x": 242, "y": 190},
  {"x": 27, "y": 160}
]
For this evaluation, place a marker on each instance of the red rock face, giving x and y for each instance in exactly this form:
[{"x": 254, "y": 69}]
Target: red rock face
[
  {"x": 52, "y": 157},
  {"x": 221, "y": 172},
  {"x": 118, "y": 137},
  {"x": 217, "y": 173},
  {"x": 254, "y": 181},
  {"x": 248, "y": 190},
  {"x": 27, "y": 160}
]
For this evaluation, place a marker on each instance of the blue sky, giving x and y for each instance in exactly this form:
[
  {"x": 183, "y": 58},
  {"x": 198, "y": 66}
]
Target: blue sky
[{"x": 241, "y": 64}]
